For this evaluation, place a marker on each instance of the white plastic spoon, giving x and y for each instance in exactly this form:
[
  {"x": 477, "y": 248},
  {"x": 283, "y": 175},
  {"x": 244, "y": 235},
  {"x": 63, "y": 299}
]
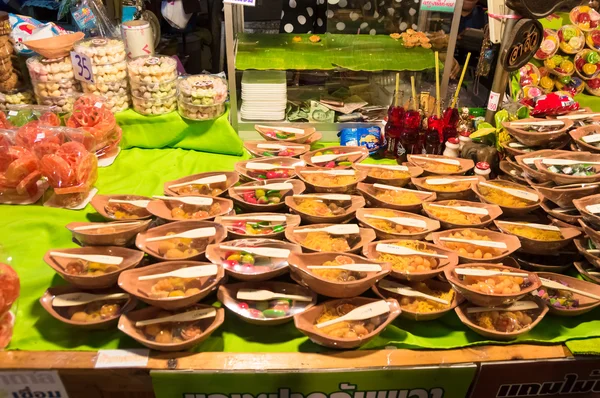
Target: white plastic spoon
[
  {"x": 518, "y": 306},
  {"x": 202, "y": 181},
  {"x": 105, "y": 225},
  {"x": 257, "y": 218},
  {"x": 187, "y": 316},
  {"x": 339, "y": 229},
  {"x": 514, "y": 192},
  {"x": 80, "y": 298},
  {"x": 540, "y": 123},
  {"x": 559, "y": 286},
  {"x": 136, "y": 203},
  {"x": 439, "y": 160},
  {"x": 487, "y": 272},
  {"x": 188, "y": 200},
  {"x": 444, "y": 181},
  {"x": 387, "y": 166},
  {"x": 406, "y": 221},
  {"x": 565, "y": 162},
  {"x": 276, "y": 187},
  {"x": 389, "y": 187},
  {"x": 191, "y": 234},
  {"x": 331, "y": 196},
  {"x": 264, "y": 295},
  {"x": 590, "y": 139},
  {"x": 533, "y": 225},
  {"x": 259, "y": 251},
  {"x": 593, "y": 208},
  {"x": 465, "y": 209},
  {"x": 268, "y": 166},
  {"x": 580, "y": 116},
  {"x": 366, "y": 311},
  {"x": 92, "y": 258},
  {"x": 485, "y": 243},
  {"x": 198, "y": 271},
  {"x": 408, "y": 291},
  {"x": 278, "y": 147},
  {"x": 404, "y": 251},
  {"x": 328, "y": 158},
  {"x": 290, "y": 130},
  {"x": 330, "y": 172},
  {"x": 349, "y": 267}
]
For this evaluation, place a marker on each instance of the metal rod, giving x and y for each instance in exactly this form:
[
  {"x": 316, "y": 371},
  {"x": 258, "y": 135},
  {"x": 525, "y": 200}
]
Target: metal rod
[
  {"x": 230, "y": 47},
  {"x": 451, "y": 47}
]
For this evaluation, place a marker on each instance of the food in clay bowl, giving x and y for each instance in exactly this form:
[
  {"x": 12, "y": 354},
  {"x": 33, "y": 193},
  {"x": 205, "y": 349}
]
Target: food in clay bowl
[
  {"x": 252, "y": 259},
  {"x": 340, "y": 238},
  {"x": 460, "y": 213},
  {"x": 190, "y": 208},
  {"x": 555, "y": 262},
  {"x": 527, "y": 163},
  {"x": 571, "y": 39},
  {"x": 386, "y": 174},
  {"x": 587, "y": 271},
  {"x": 453, "y": 187},
  {"x": 514, "y": 199},
  {"x": 585, "y": 18},
  {"x": 592, "y": 234},
  {"x": 268, "y": 168},
  {"x": 538, "y": 132},
  {"x": 387, "y": 196},
  {"x": 587, "y": 63},
  {"x": 99, "y": 271},
  {"x": 502, "y": 322},
  {"x": 269, "y": 149},
  {"x": 588, "y": 249},
  {"x": 154, "y": 91},
  {"x": 565, "y": 302},
  {"x": 570, "y": 215},
  {"x": 265, "y": 225},
  {"x": 172, "y": 335},
  {"x": 549, "y": 45},
  {"x": 589, "y": 207},
  {"x": 99, "y": 314},
  {"x": 152, "y": 69},
  {"x": 420, "y": 308},
  {"x": 287, "y": 134},
  {"x": 214, "y": 183},
  {"x": 441, "y": 165},
  {"x": 512, "y": 172},
  {"x": 158, "y": 242},
  {"x": 111, "y": 208},
  {"x": 411, "y": 260},
  {"x": 265, "y": 195},
  {"x": 326, "y": 180},
  {"x": 168, "y": 291},
  {"x": 587, "y": 138},
  {"x": 118, "y": 233},
  {"x": 338, "y": 157},
  {"x": 160, "y": 106},
  {"x": 573, "y": 168},
  {"x": 539, "y": 238},
  {"x": 329, "y": 281},
  {"x": 294, "y": 300},
  {"x": 325, "y": 208},
  {"x": 344, "y": 335},
  {"x": 390, "y": 224},
  {"x": 102, "y": 50},
  {"x": 203, "y": 89},
  {"x": 477, "y": 245}
]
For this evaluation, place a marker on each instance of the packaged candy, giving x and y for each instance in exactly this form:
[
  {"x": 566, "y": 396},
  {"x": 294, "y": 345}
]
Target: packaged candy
[
  {"x": 572, "y": 85},
  {"x": 585, "y": 18},
  {"x": 587, "y": 64},
  {"x": 529, "y": 75},
  {"x": 93, "y": 114},
  {"x": 592, "y": 86},
  {"x": 19, "y": 177},
  {"x": 571, "y": 39},
  {"x": 560, "y": 65},
  {"x": 553, "y": 104},
  {"x": 369, "y": 137},
  {"x": 549, "y": 45},
  {"x": 532, "y": 91},
  {"x": 546, "y": 80},
  {"x": 21, "y": 114}
]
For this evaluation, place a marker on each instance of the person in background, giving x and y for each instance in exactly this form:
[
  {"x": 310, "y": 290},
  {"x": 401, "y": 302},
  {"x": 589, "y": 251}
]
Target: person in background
[{"x": 473, "y": 16}]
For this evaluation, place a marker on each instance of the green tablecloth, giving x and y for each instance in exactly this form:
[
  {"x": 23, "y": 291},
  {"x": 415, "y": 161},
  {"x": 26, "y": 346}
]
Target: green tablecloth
[{"x": 29, "y": 231}]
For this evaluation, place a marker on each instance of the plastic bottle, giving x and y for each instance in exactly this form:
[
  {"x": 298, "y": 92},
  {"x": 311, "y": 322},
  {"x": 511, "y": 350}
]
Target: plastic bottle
[
  {"x": 434, "y": 135},
  {"x": 409, "y": 137}
]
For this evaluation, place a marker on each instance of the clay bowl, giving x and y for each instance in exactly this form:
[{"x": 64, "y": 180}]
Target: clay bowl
[
  {"x": 236, "y": 195},
  {"x": 356, "y": 241},
  {"x": 559, "y": 262},
  {"x": 305, "y": 323},
  {"x": 354, "y": 203},
  {"x": 265, "y": 132},
  {"x": 512, "y": 244},
  {"x": 461, "y": 311},
  {"x": 369, "y": 191},
  {"x": 411, "y": 172},
  {"x": 131, "y": 258},
  {"x": 61, "y": 314},
  {"x": 421, "y": 316},
  {"x": 590, "y": 232},
  {"x": 162, "y": 208},
  {"x": 514, "y": 148},
  {"x": 129, "y": 282},
  {"x": 582, "y": 248},
  {"x": 234, "y": 231},
  {"x": 581, "y": 204},
  {"x": 458, "y": 193},
  {"x": 465, "y": 164},
  {"x": 587, "y": 271},
  {"x": 528, "y": 164},
  {"x": 562, "y": 179},
  {"x": 127, "y": 325},
  {"x": 359, "y": 175},
  {"x": 253, "y": 175},
  {"x": 364, "y": 153},
  {"x": 227, "y": 295},
  {"x": 55, "y": 46},
  {"x": 511, "y": 210},
  {"x": 298, "y": 267},
  {"x": 541, "y": 247},
  {"x": 116, "y": 236},
  {"x": 231, "y": 177},
  {"x": 99, "y": 203},
  {"x": 200, "y": 244},
  {"x": 490, "y": 299},
  {"x": 367, "y": 222},
  {"x": 564, "y": 196},
  {"x": 512, "y": 171},
  {"x": 266, "y": 268},
  {"x": 370, "y": 251},
  {"x": 494, "y": 211},
  {"x": 295, "y": 149},
  {"x": 569, "y": 215},
  {"x": 586, "y": 304},
  {"x": 537, "y": 138},
  {"x": 581, "y": 132}
]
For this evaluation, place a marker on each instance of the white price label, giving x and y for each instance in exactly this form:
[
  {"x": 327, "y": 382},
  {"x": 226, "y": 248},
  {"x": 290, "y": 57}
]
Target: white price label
[
  {"x": 493, "y": 101},
  {"x": 250, "y": 3},
  {"x": 82, "y": 67}
]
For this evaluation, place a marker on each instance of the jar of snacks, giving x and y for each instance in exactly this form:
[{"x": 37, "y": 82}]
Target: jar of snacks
[
  {"x": 154, "y": 90},
  {"x": 102, "y": 51},
  {"x": 152, "y": 69},
  {"x": 202, "y": 97},
  {"x": 9, "y": 79},
  {"x": 199, "y": 112},
  {"x": 64, "y": 103},
  {"x": 16, "y": 97},
  {"x": 158, "y": 106},
  {"x": 53, "y": 82}
]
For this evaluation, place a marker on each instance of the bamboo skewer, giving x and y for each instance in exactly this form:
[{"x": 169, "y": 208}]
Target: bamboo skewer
[
  {"x": 437, "y": 85},
  {"x": 460, "y": 81}
]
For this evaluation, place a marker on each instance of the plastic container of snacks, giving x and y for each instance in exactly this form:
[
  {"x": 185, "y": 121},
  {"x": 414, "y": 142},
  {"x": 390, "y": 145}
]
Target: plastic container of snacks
[
  {"x": 16, "y": 97},
  {"x": 152, "y": 69},
  {"x": 154, "y": 106},
  {"x": 110, "y": 72},
  {"x": 56, "y": 88},
  {"x": 64, "y": 103},
  {"x": 101, "y": 50},
  {"x": 203, "y": 89},
  {"x": 154, "y": 90},
  {"x": 199, "y": 112},
  {"x": 50, "y": 70}
]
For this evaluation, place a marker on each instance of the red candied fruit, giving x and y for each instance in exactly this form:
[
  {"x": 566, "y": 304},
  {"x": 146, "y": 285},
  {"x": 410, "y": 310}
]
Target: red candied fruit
[
  {"x": 594, "y": 84},
  {"x": 9, "y": 287}
]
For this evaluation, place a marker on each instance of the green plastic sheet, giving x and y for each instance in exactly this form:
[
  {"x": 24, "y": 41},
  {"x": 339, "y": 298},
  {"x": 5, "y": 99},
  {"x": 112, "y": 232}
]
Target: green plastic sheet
[
  {"x": 352, "y": 52},
  {"x": 29, "y": 231}
]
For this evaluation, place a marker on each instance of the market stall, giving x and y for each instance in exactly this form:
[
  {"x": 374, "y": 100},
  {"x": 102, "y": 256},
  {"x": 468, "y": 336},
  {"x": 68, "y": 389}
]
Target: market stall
[{"x": 154, "y": 239}]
